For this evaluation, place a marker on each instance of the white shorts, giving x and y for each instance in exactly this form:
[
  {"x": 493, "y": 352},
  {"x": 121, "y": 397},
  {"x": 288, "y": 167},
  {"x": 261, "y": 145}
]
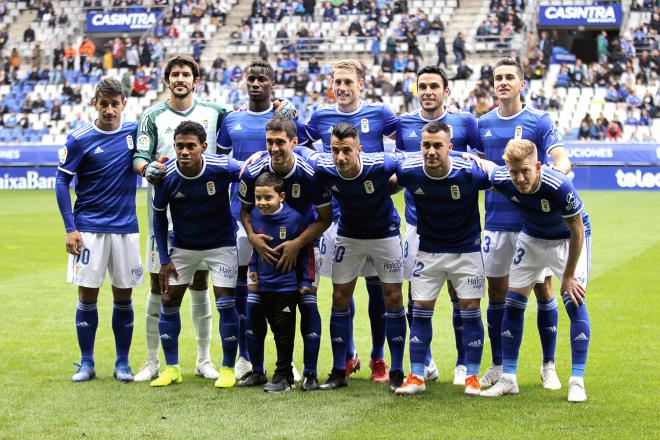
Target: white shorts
[
  {"x": 221, "y": 262},
  {"x": 116, "y": 254},
  {"x": 534, "y": 255},
  {"x": 497, "y": 249},
  {"x": 410, "y": 247},
  {"x": 243, "y": 246},
  {"x": 351, "y": 254},
  {"x": 465, "y": 271},
  {"x": 327, "y": 251}
]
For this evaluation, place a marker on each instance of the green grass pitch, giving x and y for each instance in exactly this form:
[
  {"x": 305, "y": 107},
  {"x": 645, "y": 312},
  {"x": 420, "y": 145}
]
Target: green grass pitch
[{"x": 38, "y": 347}]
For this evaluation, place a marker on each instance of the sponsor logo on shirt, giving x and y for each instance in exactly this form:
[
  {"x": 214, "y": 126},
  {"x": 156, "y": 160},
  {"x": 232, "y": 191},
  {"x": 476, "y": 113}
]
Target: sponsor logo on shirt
[
  {"x": 412, "y": 134},
  {"x": 143, "y": 142}
]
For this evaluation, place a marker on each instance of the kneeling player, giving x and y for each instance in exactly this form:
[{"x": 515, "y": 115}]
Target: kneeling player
[
  {"x": 556, "y": 234},
  {"x": 278, "y": 288},
  {"x": 102, "y": 233},
  {"x": 445, "y": 189},
  {"x": 195, "y": 189}
]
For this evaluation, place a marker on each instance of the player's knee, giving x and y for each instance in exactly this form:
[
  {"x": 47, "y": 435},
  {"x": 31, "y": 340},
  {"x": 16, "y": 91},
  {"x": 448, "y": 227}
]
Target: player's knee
[
  {"x": 497, "y": 288},
  {"x": 155, "y": 284},
  {"x": 88, "y": 294},
  {"x": 543, "y": 291},
  {"x": 392, "y": 296},
  {"x": 341, "y": 299},
  {"x": 121, "y": 294},
  {"x": 200, "y": 280},
  {"x": 468, "y": 303}
]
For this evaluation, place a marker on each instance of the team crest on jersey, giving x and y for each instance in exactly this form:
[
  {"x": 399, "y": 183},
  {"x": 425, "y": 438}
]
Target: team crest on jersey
[
  {"x": 364, "y": 125},
  {"x": 455, "y": 192},
  {"x": 451, "y": 131},
  {"x": 143, "y": 142},
  {"x": 242, "y": 189},
  {"x": 129, "y": 142},
  {"x": 295, "y": 190},
  {"x": 210, "y": 188},
  {"x": 205, "y": 124},
  {"x": 369, "y": 186},
  {"x": 61, "y": 153},
  {"x": 282, "y": 232},
  {"x": 518, "y": 133},
  {"x": 545, "y": 205}
]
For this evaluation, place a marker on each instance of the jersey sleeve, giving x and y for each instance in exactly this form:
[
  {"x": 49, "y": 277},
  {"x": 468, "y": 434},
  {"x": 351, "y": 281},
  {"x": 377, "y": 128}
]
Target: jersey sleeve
[
  {"x": 73, "y": 155},
  {"x": 147, "y": 139},
  {"x": 393, "y": 161},
  {"x": 400, "y": 146},
  {"x": 160, "y": 222},
  {"x": 321, "y": 196},
  {"x": 479, "y": 148},
  {"x": 473, "y": 139},
  {"x": 302, "y": 135},
  {"x": 480, "y": 178},
  {"x": 312, "y": 129},
  {"x": 234, "y": 169},
  {"x": 160, "y": 197},
  {"x": 389, "y": 121},
  {"x": 547, "y": 135},
  {"x": 310, "y": 155},
  {"x": 246, "y": 188},
  {"x": 223, "y": 140},
  {"x": 570, "y": 202}
]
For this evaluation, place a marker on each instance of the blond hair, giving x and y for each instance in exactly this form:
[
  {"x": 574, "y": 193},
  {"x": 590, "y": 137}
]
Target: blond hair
[
  {"x": 518, "y": 150},
  {"x": 350, "y": 64}
]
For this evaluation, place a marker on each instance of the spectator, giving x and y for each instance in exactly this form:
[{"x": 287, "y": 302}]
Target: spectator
[
  {"x": 140, "y": 86},
  {"x": 612, "y": 94},
  {"x": 313, "y": 66},
  {"x": 132, "y": 55},
  {"x": 4, "y": 37},
  {"x": 56, "y": 75},
  {"x": 463, "y": 71},
  {"x": 486, "y": 72},
  {"x": 459, "y": 48},
  {"x": 15, "y": 59},
  {"x": 39, "y": 105},
  {"x": 563, "y": 77},
  {"x": 375, "y": 48},
  {"x": 263, "y": 49},
  {"x": 127, "y": 83},
  {"x": 644, "y": 118},
  {"x": 78, "y": 122},
  {"x": 441, "y": 49},
  {"x": 197, "y": 33},
  {"x": 281, "y": 37},
  {"x": 614, "y": 130},
  {"x": 602, "y": 47},
  {"x": 587, "y": 129},
  {"x": 28, "y": 34},
  {"x": 56, "y": 111},
  {"x": 631, "y": 120},
  {"x": 355, "y": 28},
  {"x": 399, "y": 63},
  {"x": 387, "y": 65},
  {"x": 553, "y": 102},
  {"x": 70, "y": 55},
  {"x": 532, "y": 47},
  {"x": 540, "y": 101},
  {"x": 86, "y": 49},
  {"x": 412, "y": 64},
  {"x": 545, "y": 47}
]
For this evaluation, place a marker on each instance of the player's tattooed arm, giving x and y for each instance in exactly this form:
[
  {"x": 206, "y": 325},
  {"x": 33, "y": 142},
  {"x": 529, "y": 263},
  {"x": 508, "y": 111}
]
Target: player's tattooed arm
[
  {"x": 570, "y": 285},
  {"x": 258, "y": 241},
  {"x": 560, "y": 159}
]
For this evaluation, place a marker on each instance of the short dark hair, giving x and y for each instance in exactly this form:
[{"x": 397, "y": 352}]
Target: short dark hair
[
  {"x": 264, "y": 65},
  {"x": 436, "y": 127},
  {"x": 345, "y": 130},
  {"x": 435, "y": 70},
  {"x": 109, "y": 86},
  {"x": 283, "y": 123},
  {"x": 181, "y": 61},
  {"x": 191, "y": 128},
  {"x": 506, "y": 61},
  {"x": 272, "y": 180}
]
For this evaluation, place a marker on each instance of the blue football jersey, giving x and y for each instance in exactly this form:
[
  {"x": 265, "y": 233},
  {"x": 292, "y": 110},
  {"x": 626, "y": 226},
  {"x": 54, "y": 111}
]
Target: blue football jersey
[
  {"x": 284, "y": 225},
  {"x": 463, "y": 131},
  {"x": 302, "y": 187},
  {"x": 373, "y": 121},
  {"x": 102, "y": 161},
  {"x": 543, "y": 210},
  {"x": 366, "y": 210},
  {"x": 199, "y": 206},
  {"x": 448, "y": 206},
  {"x": 495, "y": 131},
  {"x": 244, "y": 133}
]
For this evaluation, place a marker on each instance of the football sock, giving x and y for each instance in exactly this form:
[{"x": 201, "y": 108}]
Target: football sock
[
  {"x": 169, "y": 328},
  {"x": 310, "y": 328},
  {"x": 409, "y": 309},
  {"x": 241, "y": 294},
  {"x": 512, "y": 331},
  {"x": 350, "y": 346},
  {"x": 340, "y": 321},
  {"x": 256, "y": 331},
  {"x": 580, "y": 335},
  {"x": 494, "y": 315},
  {"x": 546, "y": 320},
  {"x": 376, "y": 317},
  {"x": 226, "y": 306},
  {"x": 395, "y": 329},
  {"x": 87, "y": 320},
  {"x": 122, "y": 327},
  {"x": 421, "y": 334},
  {"x": 473, "y": 339},
  {"x": 153, "y": 317},
  {"x": 200, "y": 312},
  {"x": 457, "y": 323}
]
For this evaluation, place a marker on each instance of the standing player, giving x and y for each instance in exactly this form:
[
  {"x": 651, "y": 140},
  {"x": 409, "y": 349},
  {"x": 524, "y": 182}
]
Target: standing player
[
  {"x": 243, "y": 134},
  {"x": 446, "y": 194},
  {"x": 368, "y": 227},
  {"x": 513, "y": 120},
  {"x": 155, "y": 140},
  {"x": 432, "y": 89},
  {"x": 196, "y": 190},
  {"x": 102, "y": 233},
  {"x": 306, "y": 195},
  {"x": 555, "y": 234},
  {"x": 279, "y": 289},
  {"x": 373, "y": 121}
]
